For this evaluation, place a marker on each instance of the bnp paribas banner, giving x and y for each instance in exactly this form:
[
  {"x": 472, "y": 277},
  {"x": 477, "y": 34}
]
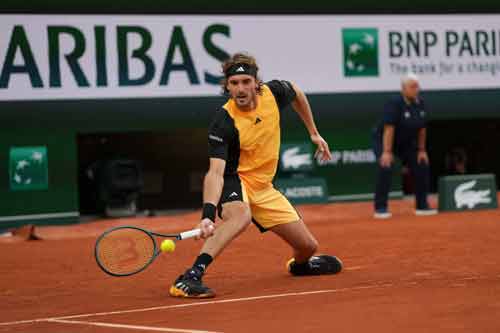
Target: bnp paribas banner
[{"x": 116, "y": 56}]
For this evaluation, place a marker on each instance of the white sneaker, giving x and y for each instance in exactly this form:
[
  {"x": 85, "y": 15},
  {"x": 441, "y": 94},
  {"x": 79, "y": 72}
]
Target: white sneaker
[
  {"x": 426, "y": 212},
  {"x": 382, "y": 215}
]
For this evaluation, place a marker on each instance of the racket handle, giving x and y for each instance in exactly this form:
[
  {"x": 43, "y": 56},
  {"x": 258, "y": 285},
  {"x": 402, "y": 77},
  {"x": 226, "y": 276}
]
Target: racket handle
[{"x": 189, "y": 234}]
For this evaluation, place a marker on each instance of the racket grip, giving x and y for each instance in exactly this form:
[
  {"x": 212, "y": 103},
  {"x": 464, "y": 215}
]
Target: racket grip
[{"x": 190, "y": 234}]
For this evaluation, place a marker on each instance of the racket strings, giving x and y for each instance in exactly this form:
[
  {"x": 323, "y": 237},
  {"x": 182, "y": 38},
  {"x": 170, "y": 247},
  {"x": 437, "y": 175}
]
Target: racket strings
[{"x": 125, "y": 251}]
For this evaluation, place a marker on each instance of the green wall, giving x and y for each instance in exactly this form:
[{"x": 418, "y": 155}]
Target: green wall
[
  {"x": 345, "y": 120},
  {"x": 59, "y": 201}
]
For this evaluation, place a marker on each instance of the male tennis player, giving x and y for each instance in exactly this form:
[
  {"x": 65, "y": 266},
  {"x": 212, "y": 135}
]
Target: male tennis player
[{"x": 243, "y": 147}]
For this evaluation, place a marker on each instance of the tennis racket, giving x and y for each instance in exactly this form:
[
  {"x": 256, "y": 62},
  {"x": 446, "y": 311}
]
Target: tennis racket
[{"x": 127, "y": 250}]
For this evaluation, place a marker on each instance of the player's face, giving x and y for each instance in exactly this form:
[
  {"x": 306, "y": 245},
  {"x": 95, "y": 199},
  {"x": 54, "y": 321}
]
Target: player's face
[
  {"x": 411, "y": 89},
  {"x": 243, "y": 89}
]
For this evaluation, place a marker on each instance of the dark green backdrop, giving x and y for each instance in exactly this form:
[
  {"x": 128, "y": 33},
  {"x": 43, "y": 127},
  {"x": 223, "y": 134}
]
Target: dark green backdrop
[{"x": 345, "y": 120}]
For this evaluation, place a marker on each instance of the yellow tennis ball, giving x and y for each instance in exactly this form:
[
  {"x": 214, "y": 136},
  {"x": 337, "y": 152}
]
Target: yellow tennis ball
[{"x": 167, "y": 245}]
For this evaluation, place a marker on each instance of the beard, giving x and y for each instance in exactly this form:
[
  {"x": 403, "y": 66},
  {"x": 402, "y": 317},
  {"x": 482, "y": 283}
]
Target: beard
[{"x": 243, "y": 101}]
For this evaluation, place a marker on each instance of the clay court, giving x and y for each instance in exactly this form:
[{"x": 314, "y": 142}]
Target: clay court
[{"x": 407, "y": 274}]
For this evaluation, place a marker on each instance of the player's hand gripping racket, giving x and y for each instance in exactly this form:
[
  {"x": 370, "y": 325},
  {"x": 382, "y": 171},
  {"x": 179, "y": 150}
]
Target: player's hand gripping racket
[{"x": 128, "y": 250}]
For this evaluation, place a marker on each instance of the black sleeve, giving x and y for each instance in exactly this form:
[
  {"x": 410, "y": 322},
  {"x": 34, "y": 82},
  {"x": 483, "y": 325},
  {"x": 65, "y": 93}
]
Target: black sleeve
[
  {"x": 283, "y": 92},
  {"x": 391, "y": 113},
  {"x": 218, "y": 138}
]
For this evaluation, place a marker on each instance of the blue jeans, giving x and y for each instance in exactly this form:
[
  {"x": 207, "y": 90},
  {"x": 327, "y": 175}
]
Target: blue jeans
[{"x": 420, "y": 172}]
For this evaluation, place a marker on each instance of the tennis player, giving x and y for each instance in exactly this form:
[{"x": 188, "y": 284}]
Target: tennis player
[{"x": 243, "y": 147}]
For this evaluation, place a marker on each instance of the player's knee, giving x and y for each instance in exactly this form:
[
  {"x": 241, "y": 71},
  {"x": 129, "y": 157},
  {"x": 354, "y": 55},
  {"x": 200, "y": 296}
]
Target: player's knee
[
  {"x": 238, "y": 214},
  {"x": 244, "y": 218}
]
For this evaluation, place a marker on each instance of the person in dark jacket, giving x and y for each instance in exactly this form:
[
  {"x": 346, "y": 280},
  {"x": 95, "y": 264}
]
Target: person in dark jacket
[{"x": 402, "y": 133}]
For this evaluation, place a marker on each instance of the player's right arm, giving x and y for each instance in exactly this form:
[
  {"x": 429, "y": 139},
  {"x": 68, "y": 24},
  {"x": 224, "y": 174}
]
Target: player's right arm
[
  {"x": 214, "y": 179},
  {"x": 212, "y": 189}
]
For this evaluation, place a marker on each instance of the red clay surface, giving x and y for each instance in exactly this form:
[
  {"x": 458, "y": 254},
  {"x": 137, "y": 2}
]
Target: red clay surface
[{"x": 406, "y": 274}]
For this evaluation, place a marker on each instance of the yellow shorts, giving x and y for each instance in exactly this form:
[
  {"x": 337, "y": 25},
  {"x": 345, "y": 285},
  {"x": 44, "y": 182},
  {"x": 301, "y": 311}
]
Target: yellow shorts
[{"x": 269, "y": 206}]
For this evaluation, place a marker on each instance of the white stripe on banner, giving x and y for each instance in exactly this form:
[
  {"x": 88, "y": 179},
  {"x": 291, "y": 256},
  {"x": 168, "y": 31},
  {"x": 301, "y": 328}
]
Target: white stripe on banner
[
  {"x": 38, "y": 216},
  {"x": 362, "y": 196}
]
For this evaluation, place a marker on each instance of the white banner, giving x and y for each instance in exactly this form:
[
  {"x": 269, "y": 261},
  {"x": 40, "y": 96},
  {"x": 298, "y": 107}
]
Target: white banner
[{"x": 123, "y": 56}]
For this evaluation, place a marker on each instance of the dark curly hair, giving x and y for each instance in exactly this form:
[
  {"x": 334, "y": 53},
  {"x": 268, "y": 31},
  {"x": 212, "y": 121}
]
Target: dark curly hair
[{"x": 240, "y": 58}]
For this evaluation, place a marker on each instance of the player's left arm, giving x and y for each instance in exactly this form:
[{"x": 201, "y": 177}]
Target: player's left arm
[{"x": 301, "y": 105}]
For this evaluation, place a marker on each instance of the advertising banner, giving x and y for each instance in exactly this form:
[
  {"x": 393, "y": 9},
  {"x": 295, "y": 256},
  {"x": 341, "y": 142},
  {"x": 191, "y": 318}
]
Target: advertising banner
[{"x": 134, "y": 56}]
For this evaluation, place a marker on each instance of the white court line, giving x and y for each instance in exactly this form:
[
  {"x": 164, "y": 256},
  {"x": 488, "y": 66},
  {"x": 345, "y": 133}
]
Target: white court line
[
  {"x": 186, "y": 305},
  {"x": 222, "y": 301},
  {"x": 132, "y": 327},
  {"x": 353, "y": 268}
]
